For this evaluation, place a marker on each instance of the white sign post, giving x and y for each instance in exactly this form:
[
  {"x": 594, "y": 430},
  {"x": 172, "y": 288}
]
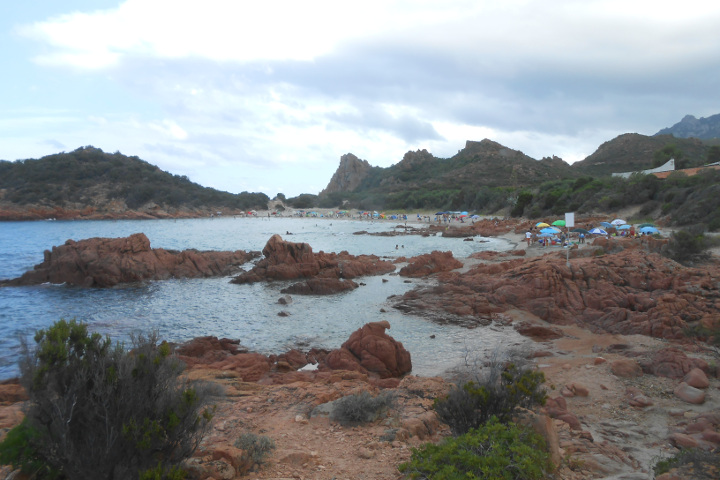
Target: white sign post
[{"x": 569, "y": 223}]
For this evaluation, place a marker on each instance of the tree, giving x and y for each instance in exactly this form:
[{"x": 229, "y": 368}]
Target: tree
[{"x": 98, "y": 411}]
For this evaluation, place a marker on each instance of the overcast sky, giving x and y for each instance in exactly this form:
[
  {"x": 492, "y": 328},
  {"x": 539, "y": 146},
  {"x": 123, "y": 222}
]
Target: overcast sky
[{"x": 265, "y": 96}]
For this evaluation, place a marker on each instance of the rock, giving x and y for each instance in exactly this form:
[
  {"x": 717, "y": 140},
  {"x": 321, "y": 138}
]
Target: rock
[
  {"x": 629, "y": 292},
  {"x": 105, "y": 262},
  {"x": 349, "y": 175},
  {"x": 539, "y": 333},
  {"x": 285, "y": 300},
  {"x": 323, "y": 272},
  {"x": 12, "y": 392},
  {"x": 671, "y": 362},
  {"x": 636, "y": 398},
  {"x": 207, "y": 349},
  {"x": 371, "y": 350},
  {"x": 321, "y": 286},
  {"x": 689, "y": 394},
  {"x": 429, "y": 263},
  {"x": 680, "y": 440},
  {"x": 626, "y": 368},
  {"x": 696, "y": 378}
]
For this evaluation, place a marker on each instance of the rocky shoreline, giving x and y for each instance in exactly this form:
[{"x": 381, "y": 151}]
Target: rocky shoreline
[{"x": 627, "y": 384}]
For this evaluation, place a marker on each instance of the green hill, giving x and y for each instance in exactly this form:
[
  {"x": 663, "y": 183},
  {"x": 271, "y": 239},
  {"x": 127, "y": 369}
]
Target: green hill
[{"x": 110, "y": 183}]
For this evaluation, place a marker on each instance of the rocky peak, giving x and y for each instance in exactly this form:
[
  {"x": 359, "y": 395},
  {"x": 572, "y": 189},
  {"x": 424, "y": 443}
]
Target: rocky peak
[
  {"x": 689, "y": 126},
  {"x": 412, "y": 159},
  {"x": 349, "y": 175}
]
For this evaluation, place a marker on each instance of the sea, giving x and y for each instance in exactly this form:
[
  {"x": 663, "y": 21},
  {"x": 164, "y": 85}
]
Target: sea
[{"x": 182, "y": 309}]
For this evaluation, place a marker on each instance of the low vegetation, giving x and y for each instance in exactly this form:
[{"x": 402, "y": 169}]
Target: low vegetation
[
  {"x": 362, "y": 407},
  {"x": 701, "y": 464},
  {"x": 256, "y": 449},
  {"x": 98, "y": 411},
  {"x": 481, "y": 412},
  {"x": 493, "y": 451}
]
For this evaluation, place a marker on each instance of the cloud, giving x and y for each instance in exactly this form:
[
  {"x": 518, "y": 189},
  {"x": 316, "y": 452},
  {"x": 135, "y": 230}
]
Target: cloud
[{"x": 287, "y": 87}]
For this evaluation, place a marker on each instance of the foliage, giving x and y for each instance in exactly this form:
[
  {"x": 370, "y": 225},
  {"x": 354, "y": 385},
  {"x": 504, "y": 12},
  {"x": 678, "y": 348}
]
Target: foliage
[
  {"x": 255, "y": 448},
  {"x": 361, "y": 407},
  {"x": 78, "y": 178},
  {"x": 703, "y": 464},
  {"x": 99, "y": 411},
  {"x": 687, "y": 246},
  {"x": 523, "y": 201},
  {"x": 500, "y": 394},
  {"x": 492, "y": 451}
]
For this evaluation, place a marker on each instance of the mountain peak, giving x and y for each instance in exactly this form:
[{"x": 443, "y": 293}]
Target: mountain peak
[{"x": 689, "y": 126}]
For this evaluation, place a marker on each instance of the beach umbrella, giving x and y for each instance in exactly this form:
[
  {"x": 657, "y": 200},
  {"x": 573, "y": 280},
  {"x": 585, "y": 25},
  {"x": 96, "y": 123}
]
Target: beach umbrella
[
  {"x": 624, "y": 226},
  {"x": 598, "y": 231},
  {"x": 580, "y": 230},
  {"x": 649, "y": 230},
  {"x": 546, "y": 234},
  {"x": 559, "y": 223},
  {"x": 646, "y": 225},
  {"x": 440, "y": 213},
  {"x": 618, "y": 221},
  {"x": 475, "y": 216},
  {"x": 542, "y": 224},
  {"x": 464, "y": 213},
  {"x": 550, "y": 230},
  {"x": 607, "y": 224}
]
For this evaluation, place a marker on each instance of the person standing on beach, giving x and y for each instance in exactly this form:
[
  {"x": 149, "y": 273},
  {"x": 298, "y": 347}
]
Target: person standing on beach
[{"x": 528, "y": 237}]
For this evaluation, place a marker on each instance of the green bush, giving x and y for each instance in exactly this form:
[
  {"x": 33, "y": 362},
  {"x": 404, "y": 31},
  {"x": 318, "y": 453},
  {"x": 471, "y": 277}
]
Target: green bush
[
  {"x": 97, "y": 411},
  {"x": 499, "y": 394},
  {"x": 687, "y": 246},
  {"x": 493, "y": 451},
  {"x": 361, "y": 407}
]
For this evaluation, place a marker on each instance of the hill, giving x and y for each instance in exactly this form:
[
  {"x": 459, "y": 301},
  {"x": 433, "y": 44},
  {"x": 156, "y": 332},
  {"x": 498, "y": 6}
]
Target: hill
[
  {"x": 702, "y": 128},
  {"x": 633, "y": 152},
  {"x": 91, "y": 183}
]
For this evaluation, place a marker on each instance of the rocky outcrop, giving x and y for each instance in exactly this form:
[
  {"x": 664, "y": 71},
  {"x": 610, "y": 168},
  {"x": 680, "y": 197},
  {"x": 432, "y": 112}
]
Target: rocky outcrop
[
  {"x": 322, "y": 272},
  {"x": 630, "y": 292},
  {"x": 370, "y": 350},
  {"x": 348, "y": 176},
  {"x": 105, "y": 262},
  {"x": 429, "y": 263}
]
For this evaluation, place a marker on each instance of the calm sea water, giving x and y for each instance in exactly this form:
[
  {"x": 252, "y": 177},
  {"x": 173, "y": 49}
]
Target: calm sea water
[{"x": 183, "y": 309}]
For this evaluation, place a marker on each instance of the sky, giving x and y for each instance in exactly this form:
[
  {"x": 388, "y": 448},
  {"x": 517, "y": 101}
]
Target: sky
[{"x": 267, "y": 96}]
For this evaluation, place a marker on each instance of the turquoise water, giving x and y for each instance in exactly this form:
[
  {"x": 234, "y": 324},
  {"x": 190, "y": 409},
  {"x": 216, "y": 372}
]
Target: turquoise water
[{"x": 183, "y": 309}]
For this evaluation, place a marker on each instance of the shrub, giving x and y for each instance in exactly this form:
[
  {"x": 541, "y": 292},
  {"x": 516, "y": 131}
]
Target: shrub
[
  {"x": 361, "y": 407},
  {"x": 703, "y": 464},
  {"x": 687, "y": 246},
  {"x": 500, "y": 394},
  {"x": 255, "y": 448},
  {"x": 493, "y": 451},
  {"x": 97, "y": 411}
]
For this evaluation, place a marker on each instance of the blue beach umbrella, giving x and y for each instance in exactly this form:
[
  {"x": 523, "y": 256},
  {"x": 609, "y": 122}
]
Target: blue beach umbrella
[
  {"x": 624, "y": 226},
  {"x": 598, "y": 231},
  {"x": 551, "y": 230},
  {"x": 607, "y": 224},
  {"x": 649, "y": 230}
]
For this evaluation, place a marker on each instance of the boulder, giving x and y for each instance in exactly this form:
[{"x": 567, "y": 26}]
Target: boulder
[
  {"x": 429, "y": 263},
  {"x": 696, "y": 378},
  {"x": 370, "y": 350},
  {"x": 330, "y": 272},
  {"x": 106, "y": 262},
  {"x": 689, "y": 394},
  {"x": 626, "y": 368}
]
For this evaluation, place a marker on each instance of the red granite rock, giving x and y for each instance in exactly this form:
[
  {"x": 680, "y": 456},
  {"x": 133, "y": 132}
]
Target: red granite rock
[{"x": 105, "y": 262}]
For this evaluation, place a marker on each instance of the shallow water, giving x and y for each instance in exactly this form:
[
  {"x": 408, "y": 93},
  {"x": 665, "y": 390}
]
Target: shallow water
[{"x": 183, "y": 309}]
